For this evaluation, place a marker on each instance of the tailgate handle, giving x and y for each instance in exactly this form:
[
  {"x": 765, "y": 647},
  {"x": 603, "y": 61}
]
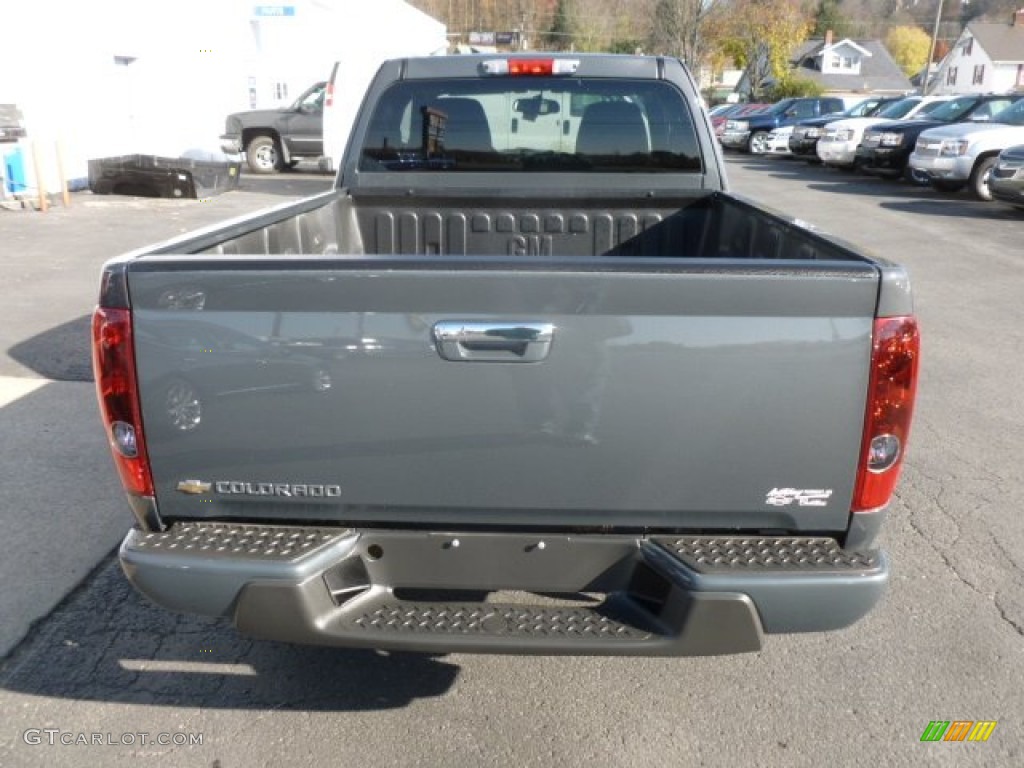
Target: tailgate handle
[{"x": 470, "y": 341}]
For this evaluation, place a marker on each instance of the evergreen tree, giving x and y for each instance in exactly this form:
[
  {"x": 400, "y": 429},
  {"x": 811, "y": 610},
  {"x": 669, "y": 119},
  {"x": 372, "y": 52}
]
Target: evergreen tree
[
  {"x": 563, "y": 26},
  {"x": 829, "y": 18}
]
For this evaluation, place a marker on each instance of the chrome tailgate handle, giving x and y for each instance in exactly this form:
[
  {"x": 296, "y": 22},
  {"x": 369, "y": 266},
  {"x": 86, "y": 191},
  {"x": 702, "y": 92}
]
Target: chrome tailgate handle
[{"x": 490, "y": 342}]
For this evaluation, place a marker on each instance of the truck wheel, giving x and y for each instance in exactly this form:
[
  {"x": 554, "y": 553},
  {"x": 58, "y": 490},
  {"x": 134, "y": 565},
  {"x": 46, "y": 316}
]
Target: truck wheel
[
  {"x": 913, "y": 177},
  {"x": 262, "y": 156},
  {"x": 757, "y": 144},
  {"x": 979, "y": 178},
  {"x": 948, "y": 186}
]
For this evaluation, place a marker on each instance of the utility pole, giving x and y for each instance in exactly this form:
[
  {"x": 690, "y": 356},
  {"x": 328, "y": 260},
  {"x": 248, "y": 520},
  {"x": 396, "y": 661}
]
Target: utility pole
[{"x": 931, "y": 50}]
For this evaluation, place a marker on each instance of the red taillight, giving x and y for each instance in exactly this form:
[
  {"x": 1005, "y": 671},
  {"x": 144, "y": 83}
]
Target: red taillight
[
  {"x": 531, "y": 66},
  {"x": 113, "y": 364},
  {"x": 520, "y": 67},
  {"x": 329, "y": 95},
  {"x": 895, "y": 355}
]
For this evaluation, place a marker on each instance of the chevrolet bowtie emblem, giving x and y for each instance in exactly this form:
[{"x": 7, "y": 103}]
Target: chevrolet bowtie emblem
[{"x": 194, "y": 486}]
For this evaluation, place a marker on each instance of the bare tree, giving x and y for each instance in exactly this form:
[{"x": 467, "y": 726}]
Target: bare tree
[{"x": 678, "y": 29}]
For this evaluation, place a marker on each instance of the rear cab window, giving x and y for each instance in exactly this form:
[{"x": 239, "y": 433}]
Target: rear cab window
[{"x": 539, "y": 124}]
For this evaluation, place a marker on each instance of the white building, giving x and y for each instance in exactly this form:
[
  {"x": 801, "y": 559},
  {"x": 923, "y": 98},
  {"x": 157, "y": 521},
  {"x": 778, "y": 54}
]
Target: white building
[
  {"x": 987, "y": 57},
  {"x": 113, "y": 77},
  {"x": 849, "y": 69}
]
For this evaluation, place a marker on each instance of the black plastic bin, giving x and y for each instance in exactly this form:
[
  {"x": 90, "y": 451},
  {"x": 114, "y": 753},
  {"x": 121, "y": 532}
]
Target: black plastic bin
[{"x": 154, "y": 176}]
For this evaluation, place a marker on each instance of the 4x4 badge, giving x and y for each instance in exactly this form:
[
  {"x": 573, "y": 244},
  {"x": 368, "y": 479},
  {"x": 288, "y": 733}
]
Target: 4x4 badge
[{"x": 783, "y": 497}]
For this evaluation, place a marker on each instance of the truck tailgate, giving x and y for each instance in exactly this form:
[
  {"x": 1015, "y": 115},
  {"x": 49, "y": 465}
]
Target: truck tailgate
[{"x": 713, "y": 395}]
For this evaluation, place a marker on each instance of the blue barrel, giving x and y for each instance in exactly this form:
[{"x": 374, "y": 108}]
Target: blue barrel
[{"x": 15, "y": 174}]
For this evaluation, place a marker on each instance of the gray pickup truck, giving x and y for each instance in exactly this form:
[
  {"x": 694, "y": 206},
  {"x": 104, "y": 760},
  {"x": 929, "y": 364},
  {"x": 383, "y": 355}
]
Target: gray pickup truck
[{"x": 528, "y": 380}]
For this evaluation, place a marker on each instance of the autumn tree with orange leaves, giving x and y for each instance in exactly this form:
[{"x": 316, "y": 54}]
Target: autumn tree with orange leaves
[{"x": 760, "y": 36}]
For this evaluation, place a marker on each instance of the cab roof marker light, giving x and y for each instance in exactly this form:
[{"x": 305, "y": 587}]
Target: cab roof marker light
[
  {"x": 495, "y": 67},
  {"x": 531, "y": 66},
  {"x": 528, "y": 67}
]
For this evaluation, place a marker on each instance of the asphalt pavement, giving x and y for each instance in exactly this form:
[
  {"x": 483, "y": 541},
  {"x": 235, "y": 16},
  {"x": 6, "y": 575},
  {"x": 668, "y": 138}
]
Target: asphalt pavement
[
  {"x": 63, "y": 511},
  {"x": 946, "y": 644}
]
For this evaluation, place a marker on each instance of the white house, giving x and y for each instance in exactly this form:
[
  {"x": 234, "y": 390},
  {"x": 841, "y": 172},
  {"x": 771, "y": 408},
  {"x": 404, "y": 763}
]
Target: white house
[
  {"x": 113, "y": 77},
  {"x": 848, "y": 68},
  {"x": 843, "y": 58},
  {"x": 987, "y": 57}
]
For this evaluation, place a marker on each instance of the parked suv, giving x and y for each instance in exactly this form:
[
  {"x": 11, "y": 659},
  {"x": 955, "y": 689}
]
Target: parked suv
[
  {"x": 274, "y": 139},
  {"x": 735, "y": 112},
  {"x": 751, "y": 133},
  {"x": 1007, "y": 180},
  {"x": 886, "y": 147},
  {"x": 805, "y": 135},
  {"x": 840, "y": 139},
  {"x": 954, "y": 156}
]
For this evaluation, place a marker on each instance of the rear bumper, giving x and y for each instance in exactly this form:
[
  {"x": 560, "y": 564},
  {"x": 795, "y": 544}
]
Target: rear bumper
[
  {"x": 231, "y": 144},
  {"x": 658, "y": 596}
]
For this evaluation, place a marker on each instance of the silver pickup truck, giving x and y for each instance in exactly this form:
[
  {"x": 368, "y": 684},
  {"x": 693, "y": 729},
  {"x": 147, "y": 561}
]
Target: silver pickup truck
[{"x": 528, "y": 380}]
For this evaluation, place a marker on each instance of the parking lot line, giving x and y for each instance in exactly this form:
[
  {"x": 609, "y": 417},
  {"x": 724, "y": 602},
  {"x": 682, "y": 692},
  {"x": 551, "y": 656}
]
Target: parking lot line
[{"x": 13, "y": 389}]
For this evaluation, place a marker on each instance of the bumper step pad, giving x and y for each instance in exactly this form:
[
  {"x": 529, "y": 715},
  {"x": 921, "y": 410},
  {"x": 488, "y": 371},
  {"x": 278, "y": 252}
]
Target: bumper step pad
[
  {"x": 477, "y": 619},
  {"x": 708, "y": 554},
  {"x": 236, "y": 540},
  {"x": 406, "y": 590}
]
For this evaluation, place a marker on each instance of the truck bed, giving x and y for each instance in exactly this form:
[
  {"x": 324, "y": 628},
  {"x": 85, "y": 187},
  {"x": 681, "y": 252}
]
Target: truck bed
[{"x": 695, "y": 225}]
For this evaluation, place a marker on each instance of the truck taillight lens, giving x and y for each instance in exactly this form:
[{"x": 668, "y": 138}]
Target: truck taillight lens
[
  {"x": 113, "y": 363},
  {"x": 895, "y": 355},
  {"x": 329, "y": 95},
  {"x": 530, "y": 67}
]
